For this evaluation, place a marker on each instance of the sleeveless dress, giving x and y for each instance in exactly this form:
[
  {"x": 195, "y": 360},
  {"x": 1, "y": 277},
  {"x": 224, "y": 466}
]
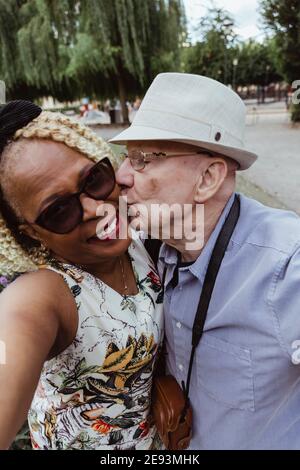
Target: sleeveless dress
[{"x": 96, "y": 394}]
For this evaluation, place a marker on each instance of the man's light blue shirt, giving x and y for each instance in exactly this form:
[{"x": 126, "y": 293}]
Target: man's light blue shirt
[{"x": 245, "y": 387}]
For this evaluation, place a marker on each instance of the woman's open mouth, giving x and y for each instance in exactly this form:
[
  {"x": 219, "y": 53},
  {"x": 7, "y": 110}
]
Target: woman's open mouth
[{"x": 109, "y": 232}]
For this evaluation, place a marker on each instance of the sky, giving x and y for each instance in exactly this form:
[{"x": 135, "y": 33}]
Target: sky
[{"x": 244, "y": 12}]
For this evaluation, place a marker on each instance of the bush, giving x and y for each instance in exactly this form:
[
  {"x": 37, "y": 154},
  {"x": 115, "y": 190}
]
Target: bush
[{"x": 295, "y": 113}]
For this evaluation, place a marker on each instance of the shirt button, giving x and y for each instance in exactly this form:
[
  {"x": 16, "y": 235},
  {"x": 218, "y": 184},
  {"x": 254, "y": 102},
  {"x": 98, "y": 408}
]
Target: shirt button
[
  {"x": 178, "y": 324},
  {"x": 180, "y": 367}
]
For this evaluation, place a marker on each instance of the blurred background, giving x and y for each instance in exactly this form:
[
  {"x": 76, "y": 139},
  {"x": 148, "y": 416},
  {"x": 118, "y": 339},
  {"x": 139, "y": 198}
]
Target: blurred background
[
  {"x": 94, "y": 60},
  {"x": 102, "y": 54}
]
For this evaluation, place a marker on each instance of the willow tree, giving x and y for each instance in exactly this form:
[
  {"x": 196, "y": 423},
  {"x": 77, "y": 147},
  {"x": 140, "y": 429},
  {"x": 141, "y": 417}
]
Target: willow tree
[
  {"x": 30, "y": 60},
  {"x": 93, "y": 47},
  {"x": 10, "y": 66},
  {"x": 121, "y": 44}
]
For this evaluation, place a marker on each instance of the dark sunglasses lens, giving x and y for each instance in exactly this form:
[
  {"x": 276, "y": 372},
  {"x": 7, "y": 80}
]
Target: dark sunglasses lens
[
  {"x": 66, "y": 213},
  {"x": 62, "y": 216},
  {"x": 101, "y": 180}
]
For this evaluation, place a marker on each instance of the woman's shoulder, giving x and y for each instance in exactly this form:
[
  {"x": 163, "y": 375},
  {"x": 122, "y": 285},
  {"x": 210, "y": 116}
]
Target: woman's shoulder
[
  {"x": 40, "y": 276},
  {"x": 42, "y": 285},
  {"x": 40, "y": 301}
]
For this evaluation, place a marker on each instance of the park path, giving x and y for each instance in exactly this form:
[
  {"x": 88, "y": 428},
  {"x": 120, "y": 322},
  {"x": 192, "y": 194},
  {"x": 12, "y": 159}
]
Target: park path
[{"x": 276, "y": 140}]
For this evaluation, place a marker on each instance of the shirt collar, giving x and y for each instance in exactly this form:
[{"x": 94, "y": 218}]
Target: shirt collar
[{"x": 168, "y": 255}]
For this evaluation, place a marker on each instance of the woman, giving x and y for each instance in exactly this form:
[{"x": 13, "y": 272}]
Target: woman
[{"x": 82, "y": 325}]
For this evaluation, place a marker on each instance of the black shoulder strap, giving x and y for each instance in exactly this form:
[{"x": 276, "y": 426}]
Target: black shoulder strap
[
  {"x": 209, "y": 283},
  {"x": 153, "y": 247}
]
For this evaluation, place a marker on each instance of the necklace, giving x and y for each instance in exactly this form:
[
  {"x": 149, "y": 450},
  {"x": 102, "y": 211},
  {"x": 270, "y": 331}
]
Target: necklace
[{"x": 123, "y": 275}]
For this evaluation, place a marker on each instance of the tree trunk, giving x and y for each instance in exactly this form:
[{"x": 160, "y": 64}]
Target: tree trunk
[{"x": 122, "y": 97}]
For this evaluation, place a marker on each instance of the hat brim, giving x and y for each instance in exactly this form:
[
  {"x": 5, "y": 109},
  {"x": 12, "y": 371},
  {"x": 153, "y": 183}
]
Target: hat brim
[{"x": 141, "y": 133}]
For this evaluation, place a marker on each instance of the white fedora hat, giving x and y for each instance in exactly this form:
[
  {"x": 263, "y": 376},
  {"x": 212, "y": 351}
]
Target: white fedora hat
[{"x": 195, "y": 110}]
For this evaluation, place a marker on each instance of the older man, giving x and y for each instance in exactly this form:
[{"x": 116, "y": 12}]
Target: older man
[{"x": 184, "y": 147}]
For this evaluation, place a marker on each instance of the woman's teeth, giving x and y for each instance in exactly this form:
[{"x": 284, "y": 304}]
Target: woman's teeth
[{"x": 107, "y": 230}]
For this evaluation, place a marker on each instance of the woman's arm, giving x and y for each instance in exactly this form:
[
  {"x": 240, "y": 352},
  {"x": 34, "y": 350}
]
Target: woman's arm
[{"x": 34, "y": 311}]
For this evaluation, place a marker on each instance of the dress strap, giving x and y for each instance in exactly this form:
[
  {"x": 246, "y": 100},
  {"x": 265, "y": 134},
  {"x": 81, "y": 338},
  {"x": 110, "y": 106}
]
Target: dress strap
[{"x": 64, "y": 269}]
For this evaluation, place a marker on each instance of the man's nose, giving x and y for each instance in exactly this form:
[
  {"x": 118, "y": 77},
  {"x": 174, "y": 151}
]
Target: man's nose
[{"x": 124, "y": 175}]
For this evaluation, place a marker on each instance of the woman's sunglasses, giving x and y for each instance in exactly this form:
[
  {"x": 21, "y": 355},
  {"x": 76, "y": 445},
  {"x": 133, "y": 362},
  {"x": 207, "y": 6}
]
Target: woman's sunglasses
[{"x": 66, "y": 212}]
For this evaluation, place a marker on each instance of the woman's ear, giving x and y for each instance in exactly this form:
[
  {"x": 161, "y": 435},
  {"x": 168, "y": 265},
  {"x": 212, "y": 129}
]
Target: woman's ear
[
  {"x": 211, "y": 179},
  {"x": 29, "y": 231}
]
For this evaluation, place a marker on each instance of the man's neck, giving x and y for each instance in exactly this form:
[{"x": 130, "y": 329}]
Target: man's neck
[{"x": 212, "y": 214}]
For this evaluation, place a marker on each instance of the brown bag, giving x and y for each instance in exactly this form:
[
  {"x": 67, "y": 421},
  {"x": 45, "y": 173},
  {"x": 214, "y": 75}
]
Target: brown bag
[{"x": 172, "y": 419}]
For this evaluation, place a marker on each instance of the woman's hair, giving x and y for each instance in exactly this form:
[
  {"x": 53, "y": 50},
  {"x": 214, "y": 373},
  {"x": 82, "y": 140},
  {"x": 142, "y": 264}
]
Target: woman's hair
[{"x": 24, "y": 120}]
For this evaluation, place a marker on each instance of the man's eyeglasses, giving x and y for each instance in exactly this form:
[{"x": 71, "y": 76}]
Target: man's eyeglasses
[
  {"x": 138, "y": 158},
  {"x": 66, "y": 212}
]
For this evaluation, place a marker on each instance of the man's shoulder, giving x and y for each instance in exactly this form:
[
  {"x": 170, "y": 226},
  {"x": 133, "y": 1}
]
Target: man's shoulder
[{"x": 267, "y": 227}]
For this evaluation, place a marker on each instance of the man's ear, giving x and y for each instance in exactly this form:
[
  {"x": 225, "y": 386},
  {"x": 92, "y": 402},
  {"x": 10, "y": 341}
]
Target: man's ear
[
  {"x": 29, "y": 231},
  {"x": 211, "y": 179}
]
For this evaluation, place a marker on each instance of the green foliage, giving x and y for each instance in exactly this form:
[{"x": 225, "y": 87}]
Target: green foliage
[
  {"x": 91, "y": 47},
  {"x": 295, "y": 113},
  {"x": 256, "y": 63},
  {"x": 211, "y": 55},
  {"x": 282, "y": 17},
  {"x": 220, "y": 55}
]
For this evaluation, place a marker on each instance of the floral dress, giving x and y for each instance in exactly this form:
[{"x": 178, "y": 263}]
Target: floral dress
[{"x": 96, "y": 393}]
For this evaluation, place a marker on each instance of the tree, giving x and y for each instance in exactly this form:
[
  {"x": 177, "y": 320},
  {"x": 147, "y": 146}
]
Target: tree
[
  {"x": 74, "y": 47},
  {"x": 282, "y": 17},
  {"x": 125, "y": 43},
  {"x": 219, "y": 54},
  {"x": 211, "y": 55},
  {"x": 256, "y": 64},
  {"x": 29, "y": 49}
]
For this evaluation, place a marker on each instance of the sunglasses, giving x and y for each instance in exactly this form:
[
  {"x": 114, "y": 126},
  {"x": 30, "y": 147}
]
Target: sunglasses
[{"x": 66, "y": 212}]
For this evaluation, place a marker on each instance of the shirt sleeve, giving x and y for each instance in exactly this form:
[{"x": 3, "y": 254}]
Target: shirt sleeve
[{"x": 284, "y": 299}]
